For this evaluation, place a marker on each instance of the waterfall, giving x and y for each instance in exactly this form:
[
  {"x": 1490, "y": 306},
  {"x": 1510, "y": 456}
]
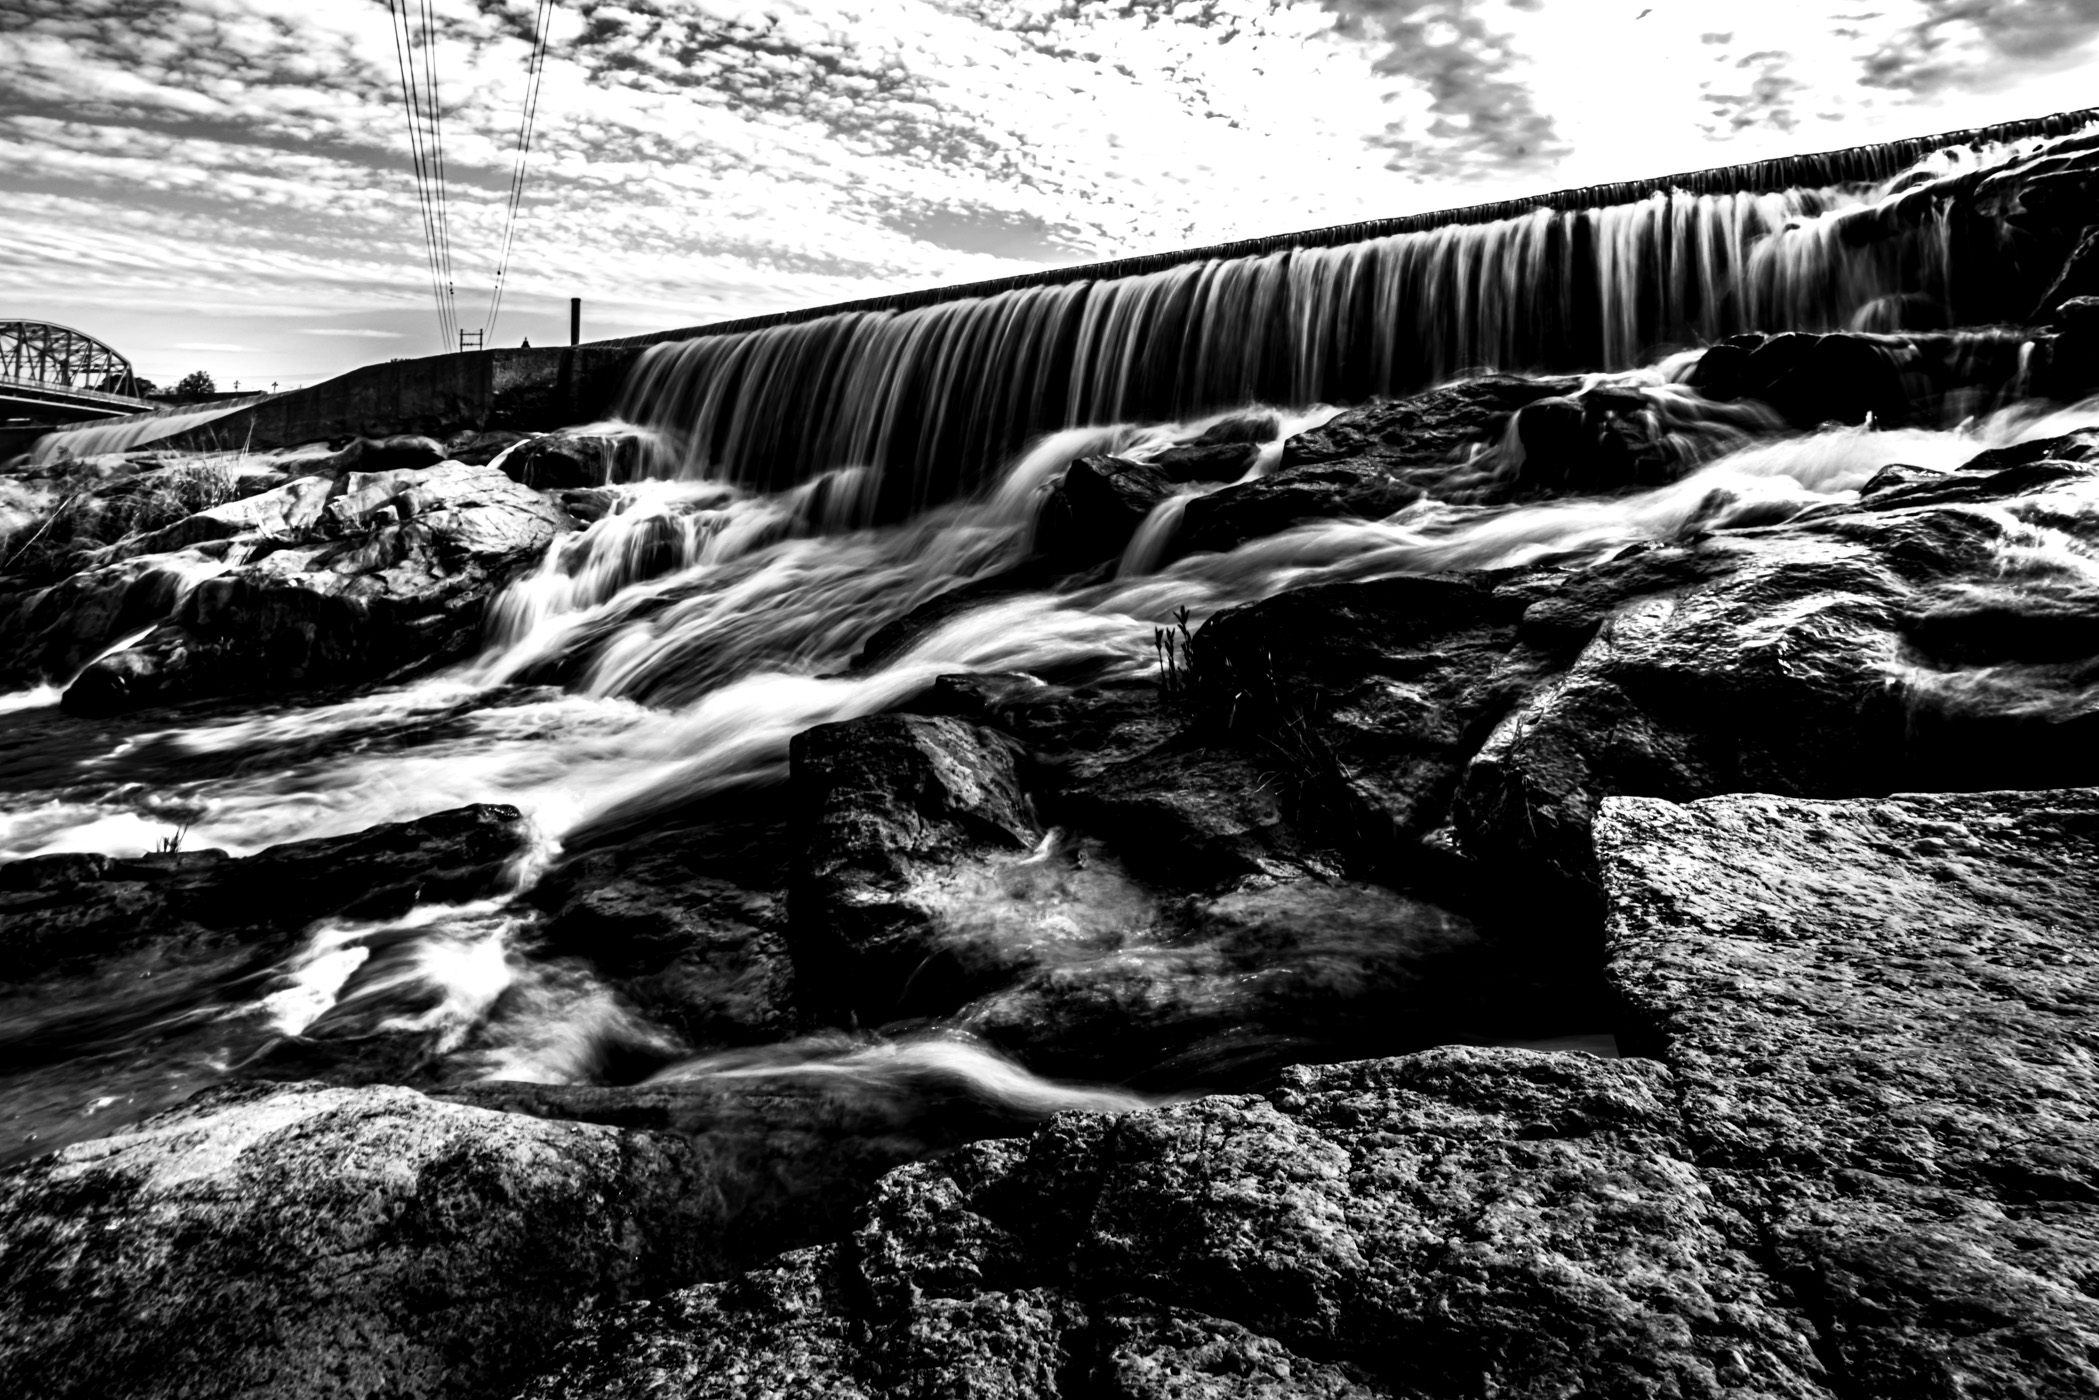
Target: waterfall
[{"x": 933, "y": 395}]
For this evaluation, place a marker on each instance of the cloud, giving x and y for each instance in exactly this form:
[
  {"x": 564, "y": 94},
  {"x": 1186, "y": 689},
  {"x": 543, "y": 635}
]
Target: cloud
[
  {"x": 213, "y": 347},
  {"x": 1971, "y": 43},
  {"x": 1462, "y": 84},
  {"x": 350, "y": 332}
]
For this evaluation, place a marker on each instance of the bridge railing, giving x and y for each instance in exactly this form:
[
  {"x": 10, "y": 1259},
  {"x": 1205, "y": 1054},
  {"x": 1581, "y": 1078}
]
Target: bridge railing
[{"x": 74, "y": 391}]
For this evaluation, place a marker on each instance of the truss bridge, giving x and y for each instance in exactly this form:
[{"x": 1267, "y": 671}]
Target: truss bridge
[{"x": 55, "y": 374}]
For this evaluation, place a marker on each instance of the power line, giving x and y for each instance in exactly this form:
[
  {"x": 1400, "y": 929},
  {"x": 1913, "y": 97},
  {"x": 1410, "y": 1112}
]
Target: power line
[
  {"x": 436, "y": 114},
  {"x": 534, "y": 73},
  {"x": 411, "y": 106},
  {"x": 422, "y": 104}
]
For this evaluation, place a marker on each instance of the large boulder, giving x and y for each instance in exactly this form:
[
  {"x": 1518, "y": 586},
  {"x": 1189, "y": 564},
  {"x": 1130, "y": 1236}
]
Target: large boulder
[
  {"x": 1881, "y": 1019},
  {"x": 394, "y": 578},
  {"x": 303, "y": 1241}
]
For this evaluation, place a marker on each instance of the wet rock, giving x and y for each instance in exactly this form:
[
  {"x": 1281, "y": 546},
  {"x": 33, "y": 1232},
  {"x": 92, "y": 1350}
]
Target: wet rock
[
  {"x": 1880, "y": 1014},
  {"x": 1191, "y": 816},
  {"x": 1226, "y": 519},
  {"x": 52, "y": 633},
  {"x": 1435, "y": 1225},
  {"x": 1862, "y": 1164},
  {"x": 570, "y": 461},
  {"x": 398, "y": 578},
  {"x": 1462, "y": 729},
  {"x": 1226, "y": 991},
  {"x": 2079, "y": 278},
  {"x": 58, "y": 911},
  {"x": 896, "y": 819},
  {"x": 1207, "y": 461},
  {"x": 1839, "y": 377},
  {"x": 1427, "y": 430},
  {"x": 480, "y": 448},
  {"x": 1363, "y": 703},
  {"x": 400, "y": 452},
  {"x": 302, "y": 1241},
  {"x": 688, "y": 927},
  {"x": 1097, "y": 507}
]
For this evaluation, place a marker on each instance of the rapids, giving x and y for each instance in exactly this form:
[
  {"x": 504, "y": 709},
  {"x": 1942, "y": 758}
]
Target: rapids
[
  {"x": 651, "y": 672},
  {"x": 658, "y": 663}
]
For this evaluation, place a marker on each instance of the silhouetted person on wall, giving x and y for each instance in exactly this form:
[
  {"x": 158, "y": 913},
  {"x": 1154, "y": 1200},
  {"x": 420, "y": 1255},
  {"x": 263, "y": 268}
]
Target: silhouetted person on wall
[{"x": 525, "y": 344}]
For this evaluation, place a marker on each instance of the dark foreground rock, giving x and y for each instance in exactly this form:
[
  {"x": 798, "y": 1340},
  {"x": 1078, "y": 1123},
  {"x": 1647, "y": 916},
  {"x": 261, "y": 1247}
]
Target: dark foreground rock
[
  {"x": 1454, "y": 1223},
  {"x": 1883, "y": 1018},
  {"x": 1861, "y": 1165},
  {"x": 301, "y": 1241}
]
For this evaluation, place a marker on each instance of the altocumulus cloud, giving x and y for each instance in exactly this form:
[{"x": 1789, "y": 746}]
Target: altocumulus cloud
[{"x": 246, "y": 162}]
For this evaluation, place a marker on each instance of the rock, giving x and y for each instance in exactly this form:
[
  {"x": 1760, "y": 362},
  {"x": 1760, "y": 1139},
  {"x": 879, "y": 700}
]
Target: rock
[
  {"x": 1365, "y": 702},
  {"x": 302, "y": 1241},
  {"x": 778, "y": 1331},
  {"x": 408, "y": 587},
  {"x": 1840, "y": 377},
  {"x": 1226, "y": 519},
  {"x": 568, "y": 461},
  {"x": 401, "y": 452},
  {"x": 1880, "y": 1013},
  {"x": 284, "y": 513},
  {"x": 1452, "y": 1223},
  {"x": 60, "y": 911},
  {"x": 695, "y": 941},
  {"x": 2079, "y": 278},
  {"x": 1427, "y": 430},
  {"x": 1445, "y": 733},
  {"x": 1863, "y": 1164},
  {"x": 1206, "y": 461},
  {"x": 478, "y": 449},
  {"x": 1095, "y": 510},
  {"x": 1226, "y": 991},
  {"x": 897, "y": 818},
  {"x": 52, "y": 633}
]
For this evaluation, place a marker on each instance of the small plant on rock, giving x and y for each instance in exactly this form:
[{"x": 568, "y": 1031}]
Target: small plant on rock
[{"x": 1175, "y": 648}]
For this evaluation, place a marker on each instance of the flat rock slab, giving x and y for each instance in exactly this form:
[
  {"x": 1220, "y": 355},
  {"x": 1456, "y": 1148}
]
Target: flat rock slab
[
  {"x": 1858, "y": 1161},
  {"x": 1884, "y": 1019},
  {"x": 292, "y": 1241},
  {"x": 1455, "y": 1223}
]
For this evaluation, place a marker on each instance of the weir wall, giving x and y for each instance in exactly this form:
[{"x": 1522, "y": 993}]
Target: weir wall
[{"x": 542, "y": 389}]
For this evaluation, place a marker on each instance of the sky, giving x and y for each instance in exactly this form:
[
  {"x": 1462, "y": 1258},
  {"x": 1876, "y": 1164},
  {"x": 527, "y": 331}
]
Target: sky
[{"x": 227, "y": 184}]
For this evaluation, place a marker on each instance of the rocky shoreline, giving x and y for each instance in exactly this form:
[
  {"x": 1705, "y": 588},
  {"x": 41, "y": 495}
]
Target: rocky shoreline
[{"x": 1792, "y": 800}]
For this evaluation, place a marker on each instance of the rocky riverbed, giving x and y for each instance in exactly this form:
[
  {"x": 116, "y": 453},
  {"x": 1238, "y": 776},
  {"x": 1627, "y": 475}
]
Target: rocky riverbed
[{"x": 1548, "y": 886}]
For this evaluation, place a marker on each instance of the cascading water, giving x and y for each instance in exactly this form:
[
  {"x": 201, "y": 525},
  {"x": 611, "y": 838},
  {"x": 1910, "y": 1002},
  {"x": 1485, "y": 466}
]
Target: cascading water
[
  {"x": 930, "y": 395},
  {"x": 658, "y": 661}
]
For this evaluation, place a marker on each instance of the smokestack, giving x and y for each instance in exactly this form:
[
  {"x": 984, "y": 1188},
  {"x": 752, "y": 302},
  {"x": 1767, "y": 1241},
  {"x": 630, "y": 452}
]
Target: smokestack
[{"x": 575, "y": 320}]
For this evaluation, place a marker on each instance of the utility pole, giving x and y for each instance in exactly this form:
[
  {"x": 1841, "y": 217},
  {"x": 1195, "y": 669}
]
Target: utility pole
[
  {"x": 575, "y": 320},
  {"x": 471, "y": 340}
]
